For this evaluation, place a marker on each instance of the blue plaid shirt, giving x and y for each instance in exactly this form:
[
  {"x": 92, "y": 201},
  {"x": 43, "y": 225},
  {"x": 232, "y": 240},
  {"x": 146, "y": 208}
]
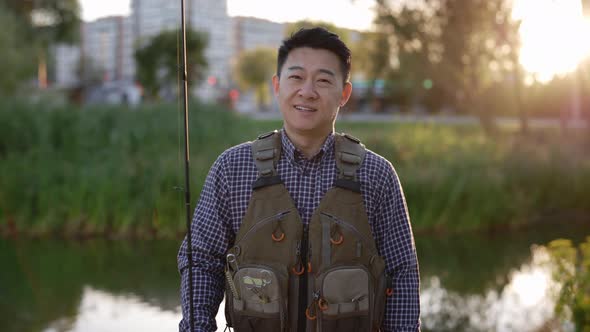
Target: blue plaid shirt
[{"x": 223, "y": 204}]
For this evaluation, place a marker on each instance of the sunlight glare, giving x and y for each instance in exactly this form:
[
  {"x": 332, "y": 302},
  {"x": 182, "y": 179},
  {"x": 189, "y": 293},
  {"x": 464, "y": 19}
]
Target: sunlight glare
[
  {"x": 552, "y": 34},
  {"x": 523, "y": 304},
  {"x": 103, "y": 311},
  {"x": 532, "y": 283}
]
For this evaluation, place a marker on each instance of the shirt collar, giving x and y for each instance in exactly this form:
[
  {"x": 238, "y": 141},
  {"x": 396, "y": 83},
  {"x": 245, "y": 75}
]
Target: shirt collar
[{"x": 291, "y": 152}]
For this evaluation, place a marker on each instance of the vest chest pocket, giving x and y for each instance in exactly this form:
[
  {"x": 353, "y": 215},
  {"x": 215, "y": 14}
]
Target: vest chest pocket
[
  {"x": 345, "y": 297},
  {"x": 260, "y": 304}
]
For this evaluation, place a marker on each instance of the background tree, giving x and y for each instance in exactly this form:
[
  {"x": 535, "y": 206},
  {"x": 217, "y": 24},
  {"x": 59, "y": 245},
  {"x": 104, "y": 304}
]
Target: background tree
[
  {"x": 414, "y": 48},
  {"x": 159, "y": 60},
  {"x": 455, "y": 48},
  {"x": 254, "y": 69},
  {"x": 478, "y": 39},
  {"x": 16, "y": 58},
  {"x": 46, "y": 22},
  {"x": 370, "y": 63}
]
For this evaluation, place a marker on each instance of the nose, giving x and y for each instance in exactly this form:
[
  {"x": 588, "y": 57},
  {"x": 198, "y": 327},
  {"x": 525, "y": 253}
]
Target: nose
[{"x": 307, "y": 90}]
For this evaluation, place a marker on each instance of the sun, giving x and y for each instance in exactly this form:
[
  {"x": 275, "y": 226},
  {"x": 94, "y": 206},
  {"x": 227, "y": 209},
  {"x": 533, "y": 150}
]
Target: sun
[{"x": 554, "y": 36}]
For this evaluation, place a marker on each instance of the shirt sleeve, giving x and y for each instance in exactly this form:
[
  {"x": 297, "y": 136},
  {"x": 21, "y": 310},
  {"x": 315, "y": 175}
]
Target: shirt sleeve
[
  {"x": 395, "y": 242},
  {"x": 210, "y": 237}
]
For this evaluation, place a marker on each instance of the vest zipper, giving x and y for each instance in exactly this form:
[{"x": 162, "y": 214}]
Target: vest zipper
[
  {"x": 305, "y": 250},
  {"x": 303, "y": 281},
  {"x": 264, "y": 221}
]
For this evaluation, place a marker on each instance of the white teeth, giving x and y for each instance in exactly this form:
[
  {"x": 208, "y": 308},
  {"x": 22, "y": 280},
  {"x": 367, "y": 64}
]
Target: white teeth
[{"x": 302, "y": 108}]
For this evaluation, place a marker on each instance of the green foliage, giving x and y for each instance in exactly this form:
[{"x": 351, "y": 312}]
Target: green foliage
[
  {"x": 254, "y": 70},
  {"x": 45, "y": 23},
  {"x": 456, "y": 178},
  {"x": 113, "y": 170},
  {"x": 48, "y": 21},
  {"x": 571, "y": 268},
  {"x": 105, "y": 171},
  {"x": 452, "y": 43},
  {"x": 370, "y": 55},
  {"x": 16, "y": 58},
  {"x": 158, "y": 61}
]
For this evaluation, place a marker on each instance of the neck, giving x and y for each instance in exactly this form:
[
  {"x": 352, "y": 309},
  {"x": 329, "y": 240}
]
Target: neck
[{"x": 308, "y": 144}]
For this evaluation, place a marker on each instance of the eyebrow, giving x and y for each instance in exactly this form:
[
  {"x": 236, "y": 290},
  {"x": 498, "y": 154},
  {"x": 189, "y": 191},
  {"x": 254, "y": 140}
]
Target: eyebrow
[{"x": 325, "y": 71}]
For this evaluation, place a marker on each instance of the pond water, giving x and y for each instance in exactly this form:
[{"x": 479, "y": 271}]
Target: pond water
[{"x": 471, "y": 282}]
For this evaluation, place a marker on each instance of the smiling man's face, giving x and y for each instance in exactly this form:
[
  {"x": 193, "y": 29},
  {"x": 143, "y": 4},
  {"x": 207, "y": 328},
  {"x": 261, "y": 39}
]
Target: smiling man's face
[{"x": 310, "y": 90}]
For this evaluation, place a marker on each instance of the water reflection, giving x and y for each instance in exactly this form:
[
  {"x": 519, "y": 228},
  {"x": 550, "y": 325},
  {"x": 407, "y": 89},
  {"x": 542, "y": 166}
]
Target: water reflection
[
  {"x": 470, "y": 282},
  {"x": 523, "y": 304},
  {"x": 101, "y": 311}
]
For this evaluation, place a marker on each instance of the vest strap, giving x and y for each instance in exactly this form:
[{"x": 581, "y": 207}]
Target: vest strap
[
  {"x": 266, "y": 151},
  {"x": 350, "y": 153},
  {"x": 348, "y": 184},
  {"x": 264, "y": 181}
]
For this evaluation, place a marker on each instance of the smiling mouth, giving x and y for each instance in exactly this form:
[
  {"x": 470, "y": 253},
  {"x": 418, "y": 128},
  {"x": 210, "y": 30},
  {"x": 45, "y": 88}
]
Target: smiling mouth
[{"x": 305, "y": 109}]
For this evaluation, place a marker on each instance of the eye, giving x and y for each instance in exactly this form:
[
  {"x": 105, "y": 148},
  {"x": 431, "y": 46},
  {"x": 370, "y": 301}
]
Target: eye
[
  {"x": 324, "y": 81},
  {"x": 295, "y": 77}
]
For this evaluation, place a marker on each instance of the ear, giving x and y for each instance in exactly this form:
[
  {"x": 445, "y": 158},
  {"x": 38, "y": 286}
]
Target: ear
[
  {"x": 275, "y": 84},
  {"x": 346, "y": 93}
]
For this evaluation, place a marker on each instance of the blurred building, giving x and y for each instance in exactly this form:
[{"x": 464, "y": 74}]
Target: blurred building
[
  {"x": 105, "y": 54},
  {"x": 108, "y": 44},
  {"x": 250, "y": 32},
  {"x": 106, "y": 48},
  {"x": 104, "y": 61},
  {"x": 211, "y": 16},
  {"x": 66, "y": 65},
  {"x": 151, "y": 17}
]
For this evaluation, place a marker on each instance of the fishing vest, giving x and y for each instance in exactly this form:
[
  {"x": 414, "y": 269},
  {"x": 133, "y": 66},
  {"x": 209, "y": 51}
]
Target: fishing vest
[{"x": 283, "y": 276}]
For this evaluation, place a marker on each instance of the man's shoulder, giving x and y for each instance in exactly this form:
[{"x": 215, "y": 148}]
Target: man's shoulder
[
  {"x": 376, "y": 164},
  {"x": 236, "y": 155},
  {"x": 377, "y": 174},
  {"x": 238, "y": 150}
]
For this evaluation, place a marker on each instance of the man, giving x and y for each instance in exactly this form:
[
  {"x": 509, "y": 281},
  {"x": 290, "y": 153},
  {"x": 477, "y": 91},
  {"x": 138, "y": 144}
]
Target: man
[{"x": 315, "y": 184}]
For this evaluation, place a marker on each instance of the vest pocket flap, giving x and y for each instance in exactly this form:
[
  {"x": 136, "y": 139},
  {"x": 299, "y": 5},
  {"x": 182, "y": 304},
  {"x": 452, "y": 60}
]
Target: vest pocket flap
[
  {"x": 257, "y": 285},
  {"x": 254, "y": 307},
  {"x": 261, "y": 304},
  {"x": 347, "y": 308},
  {"x": 346, "y": 290}
]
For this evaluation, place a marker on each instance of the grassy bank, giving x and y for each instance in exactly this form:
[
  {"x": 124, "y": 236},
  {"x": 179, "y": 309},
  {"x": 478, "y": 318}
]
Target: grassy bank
[
  {"x": 113, "y": 171},
  {"x": 457, "y": 178}
]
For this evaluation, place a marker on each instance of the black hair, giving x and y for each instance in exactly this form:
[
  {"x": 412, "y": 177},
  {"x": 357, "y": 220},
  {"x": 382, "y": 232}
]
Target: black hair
[{"x": 316, "y": 38}]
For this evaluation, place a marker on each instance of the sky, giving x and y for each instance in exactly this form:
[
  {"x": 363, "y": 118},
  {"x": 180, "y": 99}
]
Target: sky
[{"x": 355, "y": 14}]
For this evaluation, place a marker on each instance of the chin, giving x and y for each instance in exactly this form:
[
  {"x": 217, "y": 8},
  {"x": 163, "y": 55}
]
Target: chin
[{"x": 303, "y": 128}]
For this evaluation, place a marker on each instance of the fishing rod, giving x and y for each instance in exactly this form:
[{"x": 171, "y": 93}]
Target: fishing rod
[{"x": 187, "y": 191}]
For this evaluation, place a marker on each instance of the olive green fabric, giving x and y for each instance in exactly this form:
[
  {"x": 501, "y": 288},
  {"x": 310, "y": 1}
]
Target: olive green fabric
[{"x": 345, "y": 276}]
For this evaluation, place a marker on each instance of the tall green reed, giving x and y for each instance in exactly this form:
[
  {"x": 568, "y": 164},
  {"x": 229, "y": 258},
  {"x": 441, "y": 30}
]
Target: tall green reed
[{"x": 112, "y": 170}]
